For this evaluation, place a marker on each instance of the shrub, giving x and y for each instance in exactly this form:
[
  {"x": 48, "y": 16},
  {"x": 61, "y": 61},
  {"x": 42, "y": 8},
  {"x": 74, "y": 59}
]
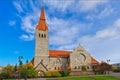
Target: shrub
[
  {"x": 31, "y": 73},
  {"x": 26, "y": 71},
  {"x": 116, "y": 70},
  {"x": 113, "y": 68},
  {"x": 48, "y": 74},
  {"x": 65, "y": 72},
  {"x": 52, "y": 74},
  {"x": 56, "y": 74},
  {"x": 23, "y": 73},
  {"x": 4, "y": 75}
]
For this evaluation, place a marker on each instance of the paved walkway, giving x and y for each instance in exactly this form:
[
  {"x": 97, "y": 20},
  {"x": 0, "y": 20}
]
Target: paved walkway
[
  {"x": 117, "y": 74},
  {"x": 38, "y": 79}
]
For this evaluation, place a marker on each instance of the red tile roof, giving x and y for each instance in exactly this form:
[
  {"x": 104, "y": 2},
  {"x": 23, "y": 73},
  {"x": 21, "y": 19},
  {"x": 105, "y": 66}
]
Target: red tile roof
[
  {"x": 63, "y": 54},
  {"x": 59, "y": 53},
  {"x": 32, "y": 62},
  {"x": 42, "y": 23},
  {"x": 94, "y": 61}
]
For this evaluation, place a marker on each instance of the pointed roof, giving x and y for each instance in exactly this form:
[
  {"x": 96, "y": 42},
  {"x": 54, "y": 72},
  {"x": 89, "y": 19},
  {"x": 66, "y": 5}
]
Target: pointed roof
[
  {"x": 94, "y": 61},
  {"x": 42, "y": 22},
  {"x": 42, "y": 16}
]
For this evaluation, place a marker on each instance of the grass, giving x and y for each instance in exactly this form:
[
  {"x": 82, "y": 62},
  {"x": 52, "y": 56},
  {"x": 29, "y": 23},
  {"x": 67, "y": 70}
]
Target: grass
[
  {"x": 97, "y": 77},
  {"x": 86, "y": 78},
  {"x": 105, "y": 78}
]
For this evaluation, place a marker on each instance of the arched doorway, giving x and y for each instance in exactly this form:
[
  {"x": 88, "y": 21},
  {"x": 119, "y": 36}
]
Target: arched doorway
[{"x": 41, "y": 73}]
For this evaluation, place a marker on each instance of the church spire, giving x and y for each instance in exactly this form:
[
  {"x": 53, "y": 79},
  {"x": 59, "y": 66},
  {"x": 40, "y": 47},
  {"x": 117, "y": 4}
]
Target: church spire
[
  {"x": 42, "y": 16},
  {"x": 42, "y": 22}
]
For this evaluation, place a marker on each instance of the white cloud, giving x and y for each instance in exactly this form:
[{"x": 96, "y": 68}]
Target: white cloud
[
  {"x": 66, "y": 33},
  {"x": 106, "y": 12},
  {"x": 27, "y": 24},
  {"x": 12, "y": 23},
  {"x": 111, "y": 32},
  {"x": 27, "y": 37},
  {"x": 60, "y": 5},
  {"x": 105, "y": 42},
  {"x": 90, "y": 4},
  {"x": 106, "y": 33},
  {"x": 31, "y": 17},
  {"x": 73, "y": 6},
  {"x": 61, "y": 35},
  {"x": 18, "y": 6},
  {"x": 117, "y": 23}
]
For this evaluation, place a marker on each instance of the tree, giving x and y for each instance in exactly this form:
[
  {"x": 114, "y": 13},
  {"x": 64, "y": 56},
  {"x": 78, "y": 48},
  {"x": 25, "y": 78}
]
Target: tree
[
  {"x": 114, "y": 68},
  {"x": 27, "y": 71},
  {"x": 104, "y": 67},
  {"x": 96, "y": 68},
  {"x": 15, "y": 68},
  {"x": 8, "y": 69}
]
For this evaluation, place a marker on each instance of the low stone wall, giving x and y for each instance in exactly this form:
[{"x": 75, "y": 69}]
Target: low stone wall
[{"x": 77, "y": 73}]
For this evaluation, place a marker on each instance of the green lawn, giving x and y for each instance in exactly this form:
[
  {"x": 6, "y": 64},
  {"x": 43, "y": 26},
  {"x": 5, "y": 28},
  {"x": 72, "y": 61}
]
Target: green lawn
[
  {"x": 86, "y": 78},
  {"x": 105, "y": 78}
]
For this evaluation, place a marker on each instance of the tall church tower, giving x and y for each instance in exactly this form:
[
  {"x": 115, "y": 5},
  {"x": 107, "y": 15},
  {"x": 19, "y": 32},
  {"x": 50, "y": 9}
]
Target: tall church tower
[{"x": 41, "y": 60}]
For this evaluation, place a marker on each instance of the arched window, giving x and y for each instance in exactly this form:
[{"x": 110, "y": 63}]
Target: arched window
[
  {"x": 55, "y": 68},
  {"x": 75, "y": 67},
  {"x": 39, "y": 34},
  {"x": 88, "y": 67},
  {"x": 44, "y": 36}
]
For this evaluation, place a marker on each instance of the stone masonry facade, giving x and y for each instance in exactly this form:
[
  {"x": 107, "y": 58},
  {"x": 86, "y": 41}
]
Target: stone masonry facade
[{"x": 56, "y": 60}]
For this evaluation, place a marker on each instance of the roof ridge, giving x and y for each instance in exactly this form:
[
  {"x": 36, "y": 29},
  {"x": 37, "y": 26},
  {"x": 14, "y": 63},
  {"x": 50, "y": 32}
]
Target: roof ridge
[{"x": 61, "y": 50}]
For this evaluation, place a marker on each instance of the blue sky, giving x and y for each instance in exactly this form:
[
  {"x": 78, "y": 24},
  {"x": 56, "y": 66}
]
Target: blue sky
[{"x": 95, "y": 24}]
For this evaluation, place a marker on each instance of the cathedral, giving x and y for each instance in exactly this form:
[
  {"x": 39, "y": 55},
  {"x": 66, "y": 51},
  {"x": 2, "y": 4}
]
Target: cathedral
[{"x": 57, "y": 60}]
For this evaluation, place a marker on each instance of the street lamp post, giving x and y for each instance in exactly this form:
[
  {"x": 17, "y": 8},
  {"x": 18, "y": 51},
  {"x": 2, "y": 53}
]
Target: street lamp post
[
  {"x": 20, "y": 60},
  {"x": 108, "y": 65},
  {"x": 108, "y": 61},
  {"x": 20, "y": 63}
]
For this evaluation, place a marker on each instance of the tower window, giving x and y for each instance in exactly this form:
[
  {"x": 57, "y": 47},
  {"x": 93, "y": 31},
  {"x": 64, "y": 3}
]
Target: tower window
[
  {"x": 88, "y": 67},
  {"x": 44, "y": 36},
  {"x": 39, "y": 34}
]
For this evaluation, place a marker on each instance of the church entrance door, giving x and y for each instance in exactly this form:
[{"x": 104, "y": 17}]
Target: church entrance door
[{"x": 41, "y": 73}]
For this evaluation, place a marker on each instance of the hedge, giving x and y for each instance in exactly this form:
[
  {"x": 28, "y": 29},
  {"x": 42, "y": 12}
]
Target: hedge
[
  {"x": 65, "y": 72},
  {"x": 53, "y": 74}
]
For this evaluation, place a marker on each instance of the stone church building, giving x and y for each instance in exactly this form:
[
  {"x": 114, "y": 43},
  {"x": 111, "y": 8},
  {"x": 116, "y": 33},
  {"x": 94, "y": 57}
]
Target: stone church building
[{"x": 56, "y": 60}]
